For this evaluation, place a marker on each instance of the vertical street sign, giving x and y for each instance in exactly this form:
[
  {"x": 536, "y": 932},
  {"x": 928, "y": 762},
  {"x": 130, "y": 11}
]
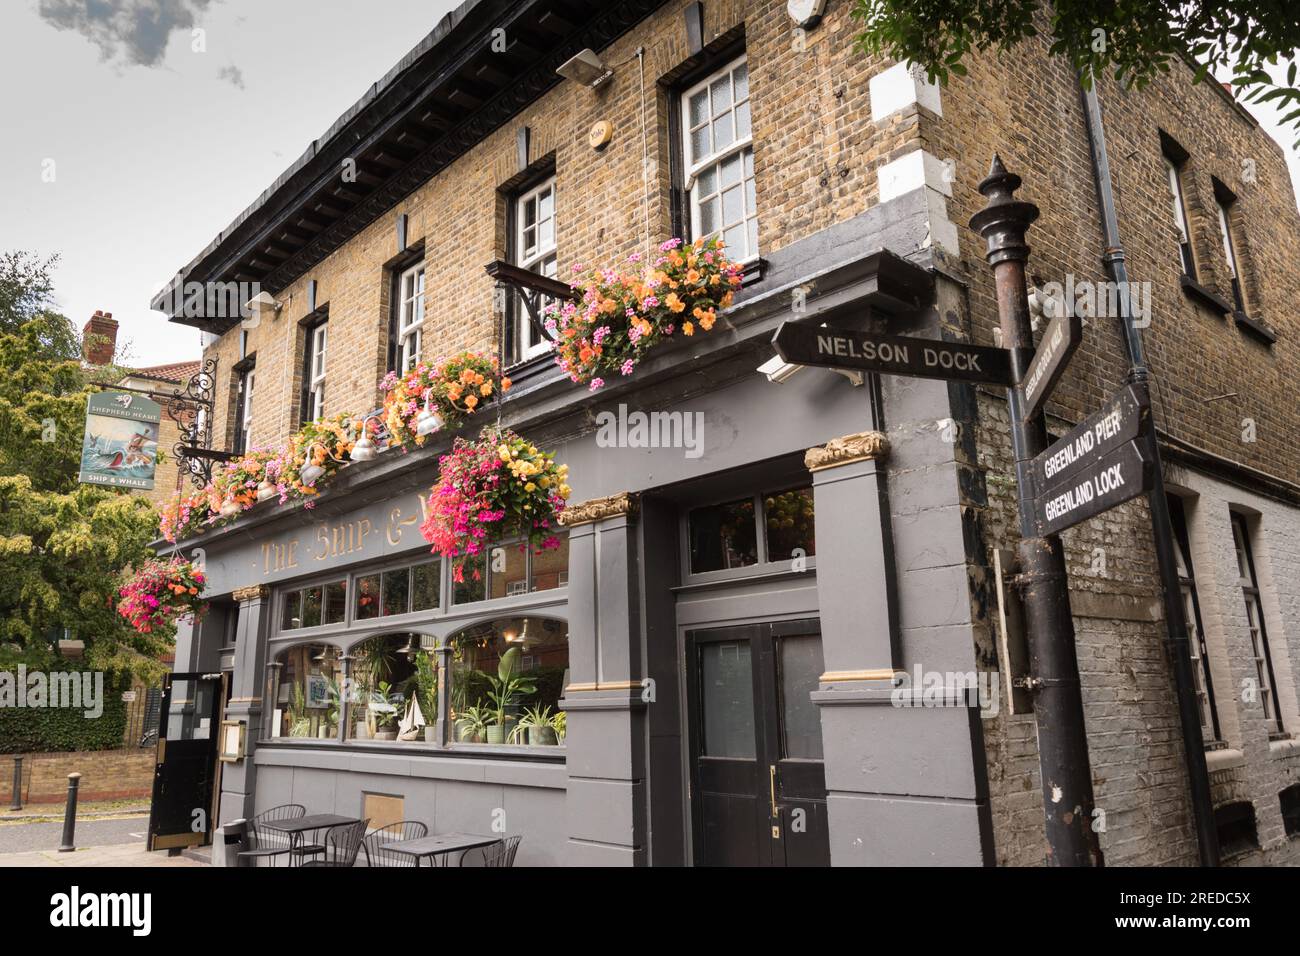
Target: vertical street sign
[
  {"x": 120, "y": 446},
  {"x": 1060, "y": 340}
]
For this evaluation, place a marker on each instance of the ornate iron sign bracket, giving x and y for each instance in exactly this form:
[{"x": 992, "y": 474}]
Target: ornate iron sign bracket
[{"x": 532, "y": 289}]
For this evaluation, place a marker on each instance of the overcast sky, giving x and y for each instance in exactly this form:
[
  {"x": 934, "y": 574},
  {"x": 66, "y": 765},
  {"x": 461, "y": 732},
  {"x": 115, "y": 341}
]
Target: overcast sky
[{"x": 156, "y": 146}]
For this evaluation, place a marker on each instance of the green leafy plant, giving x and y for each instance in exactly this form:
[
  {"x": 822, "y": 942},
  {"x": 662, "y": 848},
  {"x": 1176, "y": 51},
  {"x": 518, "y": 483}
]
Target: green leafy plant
[
  {"x": 383, "y": 704},
  {"x": 472, "y": 722},
  {"x": 560, "y": 724},
  {"x": 1135, "y": 41},
  {"x": 508, "y": 687},
  {"x": 538, "y": 716}
]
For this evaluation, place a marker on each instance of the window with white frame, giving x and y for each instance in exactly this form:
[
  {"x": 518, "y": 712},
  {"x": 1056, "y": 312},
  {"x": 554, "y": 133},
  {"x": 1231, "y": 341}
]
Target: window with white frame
[
  {"x": 317, "y": 346},
  {"x": 410, "y": 316},
  {"x": 244, "y": 410},
  {"x": 534, "y": 250},
  {"x": 1255, "y": 621},
  {"x": 1192, "y": 616},
  {"x": 1229, "y": 251},
  {"x": 719, "y": 151},
  {"x": 1188, "y": 261}
]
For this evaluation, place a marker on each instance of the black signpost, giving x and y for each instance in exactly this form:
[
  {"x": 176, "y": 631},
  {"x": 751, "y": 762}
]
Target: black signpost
[
  {"x": 1059, "y": 342},
  {"x": 1105, "y": 482},
  {"x": 1125, "y": 417},
  {"x": 801, "y": 343}
]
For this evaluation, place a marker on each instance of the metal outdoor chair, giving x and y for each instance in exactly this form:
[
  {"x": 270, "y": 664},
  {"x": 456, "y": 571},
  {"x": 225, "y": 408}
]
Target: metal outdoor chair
[
  {"x": 501, "y": 853},
  {"x": 342, "y": 843},
  {"x": 265, "y": 843},
  {"x": 392, "y": 833}
]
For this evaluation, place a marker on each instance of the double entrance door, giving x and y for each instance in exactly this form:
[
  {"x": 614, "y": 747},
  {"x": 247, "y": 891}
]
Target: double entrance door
[{"x": 757, "y": 779}]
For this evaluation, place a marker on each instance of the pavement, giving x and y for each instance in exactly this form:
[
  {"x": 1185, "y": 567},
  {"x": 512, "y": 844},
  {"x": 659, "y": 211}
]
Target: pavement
[{"x": 117, "y": 840}]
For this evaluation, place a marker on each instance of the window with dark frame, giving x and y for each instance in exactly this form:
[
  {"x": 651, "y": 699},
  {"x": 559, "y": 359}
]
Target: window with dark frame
[
  {"x": 760, "y": 529},
  {"x": 1206, "y": 707},
  {"x": 1255, "y": 620}
]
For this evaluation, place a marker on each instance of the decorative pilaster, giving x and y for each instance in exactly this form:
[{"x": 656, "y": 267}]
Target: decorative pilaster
[
  {"x": 861, "y": 446},
  {"x": 606, "y": 715},
  {"x": 249, "y": 683}
]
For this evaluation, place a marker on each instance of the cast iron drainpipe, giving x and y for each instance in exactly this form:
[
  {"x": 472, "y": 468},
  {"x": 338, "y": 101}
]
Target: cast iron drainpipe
[{"x": 1162, "y": 528}]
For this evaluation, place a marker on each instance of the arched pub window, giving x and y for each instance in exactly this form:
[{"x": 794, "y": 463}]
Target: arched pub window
[
  {"x": 395, "y": 689},
  {"x": 304, "y": 683},
  {"x": 507, "y": 676}
]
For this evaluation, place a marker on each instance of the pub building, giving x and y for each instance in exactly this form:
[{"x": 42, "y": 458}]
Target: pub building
[{"x": 756, "y": 555}]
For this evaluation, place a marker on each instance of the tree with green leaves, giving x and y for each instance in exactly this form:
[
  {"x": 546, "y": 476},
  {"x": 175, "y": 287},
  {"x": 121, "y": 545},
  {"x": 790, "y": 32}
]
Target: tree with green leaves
[
  {"x": 1134, "y": 40},
  {"x": 63, "y": 546}
]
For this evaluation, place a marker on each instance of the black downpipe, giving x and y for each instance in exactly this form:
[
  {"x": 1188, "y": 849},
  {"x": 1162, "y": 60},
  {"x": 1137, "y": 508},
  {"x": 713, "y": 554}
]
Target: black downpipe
[{"x": 1139, "y": 376}]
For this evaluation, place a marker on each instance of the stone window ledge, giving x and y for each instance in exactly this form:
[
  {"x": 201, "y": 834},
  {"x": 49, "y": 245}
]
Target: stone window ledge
[
  {"x": 1194, "y": 290},
  {"x": 1226, "y": 759},
  {"x": 1256, "y": 327}
]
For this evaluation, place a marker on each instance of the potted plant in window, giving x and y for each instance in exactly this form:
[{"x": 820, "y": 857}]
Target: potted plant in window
[
  {"x": 507, "y": 689},
  {"x": 384, "y": 707},
  {"x": 471, "y": 724},
  {"x": 560, "y": 724},
  {"x": 535, "y": 727}
]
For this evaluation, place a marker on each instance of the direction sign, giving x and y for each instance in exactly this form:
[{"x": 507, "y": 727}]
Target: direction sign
[
  {"x": 1059, "y": 342},
  {"x": 801, "y": 343},
  {"x": 1125, "y": 417},
  {"x": 1122, "y": 474}
]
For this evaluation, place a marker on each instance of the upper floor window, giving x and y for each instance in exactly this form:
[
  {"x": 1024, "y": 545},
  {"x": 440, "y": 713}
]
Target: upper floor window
[
  {"x": 718, "y": 146},
  {"x": 1173, "y": 170},
  {"x": 410, "y": 316},
  {"x": 1255, "y": 620},
  {"x": 1195, "y": 631},
  {"x": 1223, "y": 204},
  {"x": 244, "y": 388},
  {"x": 534, "y": 249},
  {"x": 313, "y": 403}
]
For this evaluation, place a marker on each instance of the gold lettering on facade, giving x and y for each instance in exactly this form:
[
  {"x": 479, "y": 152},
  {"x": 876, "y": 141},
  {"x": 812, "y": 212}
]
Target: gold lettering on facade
[
  {"x": 279, "y": 557},
  {"x": 395, "y": 524}
]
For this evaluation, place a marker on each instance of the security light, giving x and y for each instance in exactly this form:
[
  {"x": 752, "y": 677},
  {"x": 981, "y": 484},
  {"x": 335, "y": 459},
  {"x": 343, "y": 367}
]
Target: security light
[
  {"x": 778, "y": 370},
  {"x": 428, "y": 422},
  {"x": 586, "y": 68}
]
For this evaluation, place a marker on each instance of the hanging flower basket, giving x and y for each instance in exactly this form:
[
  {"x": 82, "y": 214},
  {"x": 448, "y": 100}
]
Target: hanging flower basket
[
  {"x": 316, "y": 451},
  {"x": 496, "y": 488},
  {"x": 622, "y": 317},
  {"x": 160, "y": 592},
  {"x": 431, "y": 398}
]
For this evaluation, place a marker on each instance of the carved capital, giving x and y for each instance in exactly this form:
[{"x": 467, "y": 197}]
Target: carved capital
[
  {"x": 597, "y": 509},
  {"x": 843, "y": 451},
  {"x": 254, "y": 592}
]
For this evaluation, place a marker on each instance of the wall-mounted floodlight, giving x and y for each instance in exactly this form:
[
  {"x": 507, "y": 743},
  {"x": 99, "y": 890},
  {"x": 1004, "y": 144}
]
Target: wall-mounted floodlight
[
  {"x": 586, "y": 68},
  {"x": 777, "y": 370}
]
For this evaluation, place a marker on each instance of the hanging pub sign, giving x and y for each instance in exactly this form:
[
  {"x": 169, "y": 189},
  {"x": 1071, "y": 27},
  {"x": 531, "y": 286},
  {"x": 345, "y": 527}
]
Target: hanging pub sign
[
  {"x": 801, "y": 343},
  {"x": 120, "y": 447}
]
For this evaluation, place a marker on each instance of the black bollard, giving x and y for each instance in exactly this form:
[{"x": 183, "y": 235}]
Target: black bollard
[
  {"x": 17, "y": 803},
  {"x": 70, "y": 814}
]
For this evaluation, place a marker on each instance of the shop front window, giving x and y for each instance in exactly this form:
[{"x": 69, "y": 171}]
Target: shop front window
[
  {"x": 314, "y": 606},
  {"x": 509, "y": 568},
  {"x": 761, "y": 529},
  {"x": 304, "y": 684},
  {"x": 395, "y": 689},
  {"x": 507, "y": 678}
]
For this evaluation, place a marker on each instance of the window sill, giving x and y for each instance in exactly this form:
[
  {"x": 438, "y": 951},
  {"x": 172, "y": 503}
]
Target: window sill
[
  {"x": 548, "y": 754},
  {"x": 1212, "y": 300},
  {"x": 1255, "y": 327}
]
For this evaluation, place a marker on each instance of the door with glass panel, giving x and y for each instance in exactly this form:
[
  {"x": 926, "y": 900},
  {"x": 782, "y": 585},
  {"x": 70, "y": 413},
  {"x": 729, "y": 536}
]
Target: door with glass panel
[{"x": 758, "y": 783}]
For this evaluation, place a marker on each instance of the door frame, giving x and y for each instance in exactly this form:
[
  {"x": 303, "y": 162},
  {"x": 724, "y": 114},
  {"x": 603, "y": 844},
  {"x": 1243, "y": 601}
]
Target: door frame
[
  {"x": 179, "y": 841},
  {"x": 794, "y": 623}
]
